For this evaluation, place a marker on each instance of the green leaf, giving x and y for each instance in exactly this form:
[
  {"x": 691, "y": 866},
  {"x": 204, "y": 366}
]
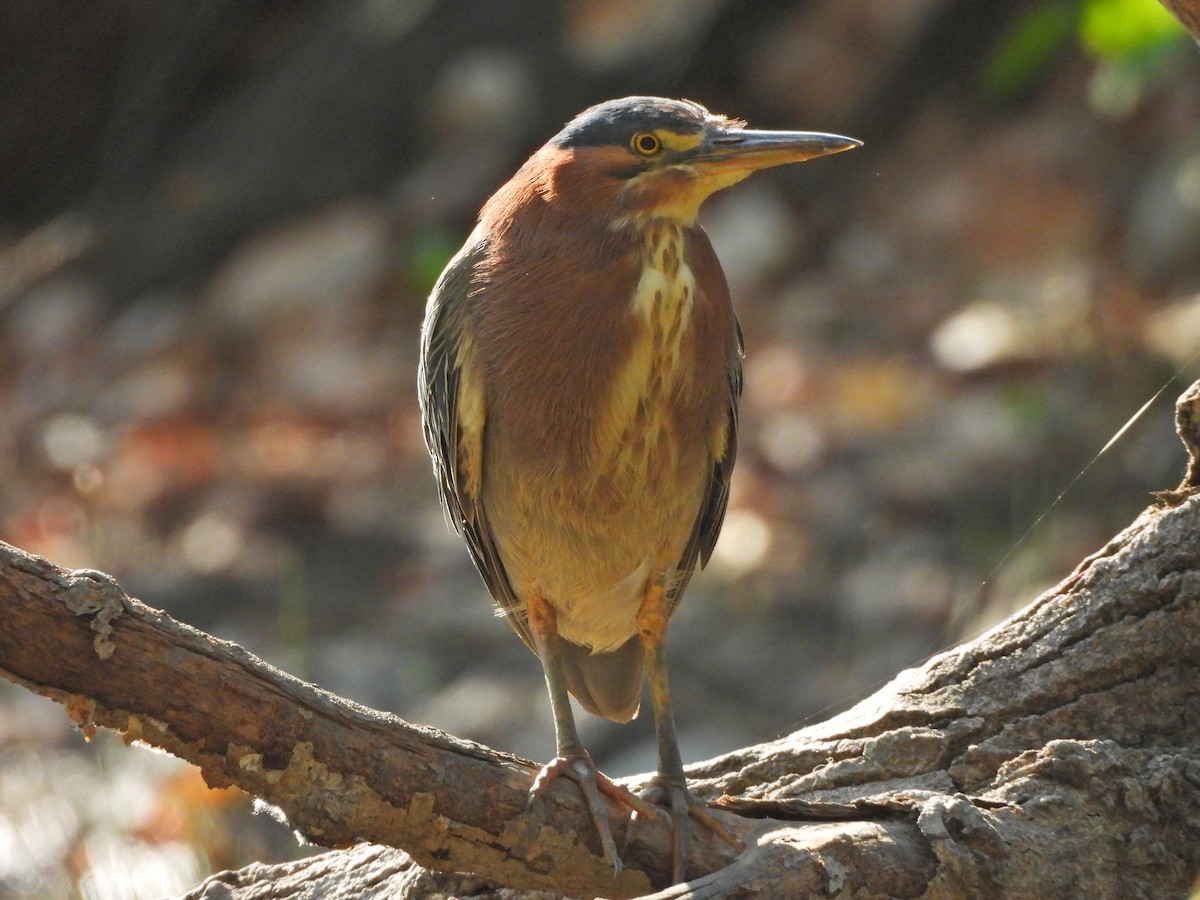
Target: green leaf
[
  {"x": 1030, "y": 46},
  {"x": 429, "y": 252},
  {"x": 1111, "y": 29}
]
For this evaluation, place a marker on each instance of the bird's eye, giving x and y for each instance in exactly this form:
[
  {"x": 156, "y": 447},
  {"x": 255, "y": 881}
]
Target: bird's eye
[{"x": 646, "y": 144}]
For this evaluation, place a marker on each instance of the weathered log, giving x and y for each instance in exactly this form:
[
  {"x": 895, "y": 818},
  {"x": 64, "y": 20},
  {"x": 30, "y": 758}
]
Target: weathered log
[{"x": 1057, "y": 755}]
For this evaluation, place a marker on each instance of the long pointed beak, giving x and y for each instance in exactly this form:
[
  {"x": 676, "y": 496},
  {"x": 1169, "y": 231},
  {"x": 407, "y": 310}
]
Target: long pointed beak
[{"x": 733, "y": 149}]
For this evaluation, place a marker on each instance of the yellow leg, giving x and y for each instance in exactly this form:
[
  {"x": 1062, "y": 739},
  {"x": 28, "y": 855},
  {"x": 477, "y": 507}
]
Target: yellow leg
[
  {"x": 571, "y": 759},
  {"x": 670, "y": 785}
]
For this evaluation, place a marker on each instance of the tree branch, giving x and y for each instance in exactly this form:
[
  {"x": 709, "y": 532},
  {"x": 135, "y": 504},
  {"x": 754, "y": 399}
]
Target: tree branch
[
  {"x": 339, "y": 771},
  {"x": 1054, "y": 756},
  {"x": 1187, "y": 12}
]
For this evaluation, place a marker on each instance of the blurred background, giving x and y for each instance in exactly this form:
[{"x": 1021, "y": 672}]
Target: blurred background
[{"x": 218, "y": 225}]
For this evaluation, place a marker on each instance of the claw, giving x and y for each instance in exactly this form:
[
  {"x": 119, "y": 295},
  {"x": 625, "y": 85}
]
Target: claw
[
  {"x": 595, "y": 786},
  {"x": 684, "y": 806}
]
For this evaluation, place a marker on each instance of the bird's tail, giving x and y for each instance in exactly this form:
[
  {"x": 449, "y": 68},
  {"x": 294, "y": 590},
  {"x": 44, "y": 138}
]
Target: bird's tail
[{"x": 605, "y": 684}]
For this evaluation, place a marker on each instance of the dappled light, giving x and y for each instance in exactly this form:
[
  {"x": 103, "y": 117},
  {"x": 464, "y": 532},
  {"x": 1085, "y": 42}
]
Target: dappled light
[{"x": 216, "y": 241}]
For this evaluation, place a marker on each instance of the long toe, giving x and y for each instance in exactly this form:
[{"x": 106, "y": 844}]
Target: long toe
[
  {"x": 685, "y": 806},
  {"x": 595, "y": 786}
]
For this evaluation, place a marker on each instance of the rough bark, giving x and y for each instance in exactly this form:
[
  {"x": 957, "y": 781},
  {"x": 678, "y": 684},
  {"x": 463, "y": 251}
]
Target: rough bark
[
  {"x": 339, "y": 771},
  {"x": 1187, "y": 12},
  {"x": 1058, "y": 755}
]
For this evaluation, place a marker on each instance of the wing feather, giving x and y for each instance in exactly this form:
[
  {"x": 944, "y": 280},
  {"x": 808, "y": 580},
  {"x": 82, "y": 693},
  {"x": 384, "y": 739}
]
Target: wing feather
[
  {"x": 454, "y": 417},
  {"x": 713, "y": 290},
  {"x": 712, "y": 514},
  {"x": 707, "y": 526}
]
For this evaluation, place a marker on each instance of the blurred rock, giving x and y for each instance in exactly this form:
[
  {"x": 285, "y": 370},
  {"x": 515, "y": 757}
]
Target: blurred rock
[
  {"x": 1174, "y": 332},
  {"x": 1164, "y": 222},
  {"x": 754, "y": 233},
  {"x": 321, "y": 267},
  {"x": 607, "y": 34},
  {"x": 1041, "y": 318}
]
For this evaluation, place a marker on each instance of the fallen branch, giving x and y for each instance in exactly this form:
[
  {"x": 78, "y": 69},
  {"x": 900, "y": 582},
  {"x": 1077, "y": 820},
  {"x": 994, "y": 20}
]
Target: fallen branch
[
  {"x": 340, "y": 772},
  {"x": 1054, "y": 756}
]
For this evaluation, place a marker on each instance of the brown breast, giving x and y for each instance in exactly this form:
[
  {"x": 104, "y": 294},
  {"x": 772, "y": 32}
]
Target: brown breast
[{"x": 614, "y": 361}]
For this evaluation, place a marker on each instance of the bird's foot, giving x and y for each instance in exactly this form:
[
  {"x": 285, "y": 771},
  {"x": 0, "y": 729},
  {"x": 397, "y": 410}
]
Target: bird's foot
[
  {"x": 683, "y": 806},
  {"x": 595, "y": 786}
]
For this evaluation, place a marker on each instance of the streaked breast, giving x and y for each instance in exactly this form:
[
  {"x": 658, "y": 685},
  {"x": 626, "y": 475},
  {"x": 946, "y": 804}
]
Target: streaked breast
[{"x": 634, "y": 435}]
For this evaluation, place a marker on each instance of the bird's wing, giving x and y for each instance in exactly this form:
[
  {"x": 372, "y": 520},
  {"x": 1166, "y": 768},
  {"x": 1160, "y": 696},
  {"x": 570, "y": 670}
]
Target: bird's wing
[
  {"x": 712, "y": 512},
  {"x": 454, "y": 415},
  {"x": 716, "y": 496}
]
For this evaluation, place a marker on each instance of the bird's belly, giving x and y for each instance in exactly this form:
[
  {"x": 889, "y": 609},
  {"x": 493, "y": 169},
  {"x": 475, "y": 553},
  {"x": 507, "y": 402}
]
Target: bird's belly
[{"x": 590, "y": 549}]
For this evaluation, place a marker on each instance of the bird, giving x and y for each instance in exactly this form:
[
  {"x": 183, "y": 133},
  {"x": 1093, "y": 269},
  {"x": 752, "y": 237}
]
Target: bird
[{"x": 579, "y": 378}]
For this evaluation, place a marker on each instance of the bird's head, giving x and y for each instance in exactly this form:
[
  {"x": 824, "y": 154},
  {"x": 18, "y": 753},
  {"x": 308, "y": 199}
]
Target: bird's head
[{"x": 649, "y": 157}]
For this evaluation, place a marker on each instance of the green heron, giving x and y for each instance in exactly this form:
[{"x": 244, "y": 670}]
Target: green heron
[{"x": 580, "y": 375}]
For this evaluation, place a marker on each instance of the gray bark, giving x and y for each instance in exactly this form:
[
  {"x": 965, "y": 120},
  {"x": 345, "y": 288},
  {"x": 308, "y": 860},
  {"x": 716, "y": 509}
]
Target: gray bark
[{"x": 1058, "y": 755}]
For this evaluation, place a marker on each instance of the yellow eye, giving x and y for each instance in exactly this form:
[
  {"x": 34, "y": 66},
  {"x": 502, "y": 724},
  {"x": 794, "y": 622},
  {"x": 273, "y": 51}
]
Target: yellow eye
[{"x": 646, "y": 144}]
